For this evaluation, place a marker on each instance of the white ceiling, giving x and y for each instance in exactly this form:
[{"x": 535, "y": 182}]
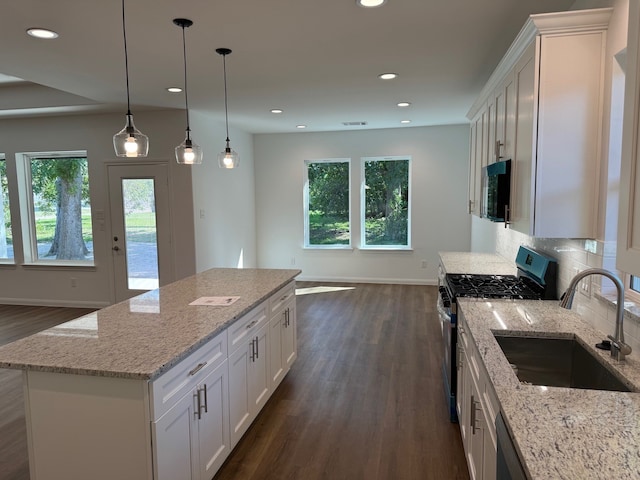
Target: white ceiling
[{"x": 318, "y": 60}]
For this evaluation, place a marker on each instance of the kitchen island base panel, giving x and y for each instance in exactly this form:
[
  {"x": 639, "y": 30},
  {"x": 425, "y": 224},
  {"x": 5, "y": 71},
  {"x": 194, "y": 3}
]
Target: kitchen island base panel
[{"x": 109, "y": 434}]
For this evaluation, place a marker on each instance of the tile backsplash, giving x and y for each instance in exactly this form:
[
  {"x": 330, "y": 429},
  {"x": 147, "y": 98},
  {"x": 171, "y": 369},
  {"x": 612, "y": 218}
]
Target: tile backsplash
[{"x": 597, "y": 307}]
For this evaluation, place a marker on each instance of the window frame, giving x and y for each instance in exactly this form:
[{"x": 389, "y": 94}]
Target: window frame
[
  {"x": 8, "y": 260},
  {"x": 363, "y": 206},
  {"x": 305, "y": 194},
  {"x": 27, "y": 209}
]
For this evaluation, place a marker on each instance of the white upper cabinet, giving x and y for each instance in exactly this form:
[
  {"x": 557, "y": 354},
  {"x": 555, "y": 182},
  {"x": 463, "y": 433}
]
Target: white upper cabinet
[
  {"x": 544, "y": 106},
  {"x": 628, "y": 248}
]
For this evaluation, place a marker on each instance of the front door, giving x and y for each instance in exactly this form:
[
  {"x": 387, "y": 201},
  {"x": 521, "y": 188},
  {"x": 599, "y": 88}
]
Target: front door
[{"x": 140, "y": 228}]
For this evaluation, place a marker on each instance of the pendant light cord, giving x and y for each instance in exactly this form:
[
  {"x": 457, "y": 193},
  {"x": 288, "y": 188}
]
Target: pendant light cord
[
  {"x": 186, "y": 95},
  {"x": 126, "y": 58},
  {"x": 226, "y": 111}
]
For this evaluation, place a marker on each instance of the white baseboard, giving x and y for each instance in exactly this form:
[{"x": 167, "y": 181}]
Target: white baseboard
[
  {"x": 399, "y": 281},
  {"x": 50, "y": 302}
]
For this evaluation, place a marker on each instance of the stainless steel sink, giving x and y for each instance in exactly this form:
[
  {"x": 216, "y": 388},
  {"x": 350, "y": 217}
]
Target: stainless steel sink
[{"x": 557, "y": 362}]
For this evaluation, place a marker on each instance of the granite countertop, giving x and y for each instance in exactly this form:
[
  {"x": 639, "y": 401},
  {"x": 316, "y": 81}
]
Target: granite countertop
[
  {"x": 560, "y": 433},
  {"x": 142, "y": 337},
  {"x": 476, "y": 263}
]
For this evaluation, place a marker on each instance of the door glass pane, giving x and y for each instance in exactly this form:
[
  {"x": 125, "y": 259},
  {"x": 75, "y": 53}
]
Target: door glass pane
[{"x": 138, "y": 197}]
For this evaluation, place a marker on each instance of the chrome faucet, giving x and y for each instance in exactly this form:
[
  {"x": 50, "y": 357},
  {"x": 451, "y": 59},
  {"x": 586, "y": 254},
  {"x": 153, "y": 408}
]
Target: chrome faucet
[{"x": 619, "y": 349}]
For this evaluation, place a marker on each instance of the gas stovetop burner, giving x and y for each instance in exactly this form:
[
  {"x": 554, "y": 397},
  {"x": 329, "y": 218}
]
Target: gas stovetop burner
[{"x": 494, "y": 286}]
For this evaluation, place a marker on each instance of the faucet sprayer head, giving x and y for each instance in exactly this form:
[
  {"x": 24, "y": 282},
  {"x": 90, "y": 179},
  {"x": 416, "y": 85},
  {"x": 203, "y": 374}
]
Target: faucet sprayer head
[{"x": 566, "y": 300}]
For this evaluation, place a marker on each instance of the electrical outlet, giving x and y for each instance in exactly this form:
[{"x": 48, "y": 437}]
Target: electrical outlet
[
  {"x": 585, "y": 286},
  {"x": 74, "y": 282},
  {"x": 293, "y": 260},
  {"x": 424, "y": 264}
]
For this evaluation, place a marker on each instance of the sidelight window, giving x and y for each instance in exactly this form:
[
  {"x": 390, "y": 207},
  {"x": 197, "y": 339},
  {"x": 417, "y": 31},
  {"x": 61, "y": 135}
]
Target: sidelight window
[
  {"x": 327, "y": 214},
  {"x": 6, "y": 237},
  {"x": 385, "y": 203}
]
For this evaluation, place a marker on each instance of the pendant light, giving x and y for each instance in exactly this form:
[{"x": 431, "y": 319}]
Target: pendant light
[
  {"x": 228, "y": 158},
  {"x": 187, "y": 153},
  {"x": 129, "y": 142}
]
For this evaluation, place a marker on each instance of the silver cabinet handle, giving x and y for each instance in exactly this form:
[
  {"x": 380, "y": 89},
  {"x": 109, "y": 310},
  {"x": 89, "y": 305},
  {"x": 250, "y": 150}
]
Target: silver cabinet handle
[
  {"x": 197, "y": 369},
  {"x": 253, "y": 350},
  {"x": 206, "y": 403},
  {"x": 257, "y": 347},
  {"x": 474, "y": 415},
  {"x": 252, "y": 324},
  {"x": 497, "y": 149},
  {"x": 197, "y": 395},
  {"x": 507, "y": 216}
]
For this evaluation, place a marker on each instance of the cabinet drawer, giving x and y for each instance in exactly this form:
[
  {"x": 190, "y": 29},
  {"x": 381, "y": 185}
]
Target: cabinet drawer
[
  {"x": 172, "y": 385},
  {"x": 246, "y": 325},
  {"x": 280, "y": 298}
]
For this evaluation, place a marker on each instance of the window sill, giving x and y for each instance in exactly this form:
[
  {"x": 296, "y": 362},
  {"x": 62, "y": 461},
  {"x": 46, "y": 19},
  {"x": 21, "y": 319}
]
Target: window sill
[
  {"x": 631, "y": 308},
  {"x": 382, "y": 248},
  {"x": 61, "y": 265},
  {"x": 328, "y": 247}
]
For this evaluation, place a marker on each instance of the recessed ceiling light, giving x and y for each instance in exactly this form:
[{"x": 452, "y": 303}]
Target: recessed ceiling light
[
  {"x": 42, "y": 33},
  {"x": 370, "y": 3},
  {"x": 405, "y": 121},
  {"x": 174, "y": 89},
  {"x": 404, "y": 104},
  {"x": 276, "y": 110},
  {"x": 387, "y": 76},
  {"x": 301, "y": 126}
]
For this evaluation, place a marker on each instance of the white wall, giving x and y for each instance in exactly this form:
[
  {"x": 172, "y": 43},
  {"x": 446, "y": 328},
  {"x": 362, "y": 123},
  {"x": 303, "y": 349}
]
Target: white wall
[
  {"x": 223, "y": 200},
  {"x": 41, "y": 285},
  {"x": 438, "y": 194}
]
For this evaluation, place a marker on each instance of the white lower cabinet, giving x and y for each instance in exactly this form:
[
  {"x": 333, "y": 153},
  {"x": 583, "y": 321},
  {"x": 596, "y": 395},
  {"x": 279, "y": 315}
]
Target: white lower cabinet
[
  {"x": 477, "y": 408},
  {"x": 282, "y": 336},
  {"x": 249, "y": 382},
  {"x": 192, "y": 439}
]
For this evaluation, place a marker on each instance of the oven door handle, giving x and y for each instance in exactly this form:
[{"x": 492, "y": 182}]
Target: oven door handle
[{"x": 442, "y": 312}]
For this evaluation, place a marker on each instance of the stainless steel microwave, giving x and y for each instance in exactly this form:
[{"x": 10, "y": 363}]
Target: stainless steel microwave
[{"x": 496, "y": 191}]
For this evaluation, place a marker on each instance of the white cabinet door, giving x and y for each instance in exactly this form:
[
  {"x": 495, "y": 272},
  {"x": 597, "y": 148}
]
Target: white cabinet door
[
  {"x": 290, "y": 335},
  {"x": 175, "y": 440},
  {"x": 249, "y": 381},
  {"x": 475, "y": 453},
  {"x": 276, "y": 365},
  {"x": 239, "y": 402},
  {"x": 628, "y": 248},
  {"x": 213, "y": 425},
  {"x": 259, "y": 377},
  {"x": 522, "y": 164}
]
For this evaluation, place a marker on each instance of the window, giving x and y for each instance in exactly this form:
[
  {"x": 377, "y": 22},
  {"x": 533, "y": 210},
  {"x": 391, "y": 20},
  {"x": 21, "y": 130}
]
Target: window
[
  {"x": 327, "y": 214},
  {"x": 57, "y": 205},
  {"x": 385, "y": 204},
  {"x": 6, "y": 237}
]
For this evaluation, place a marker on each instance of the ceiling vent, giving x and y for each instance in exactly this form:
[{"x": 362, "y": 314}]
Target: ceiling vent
[{"x": 354, "y": 124}]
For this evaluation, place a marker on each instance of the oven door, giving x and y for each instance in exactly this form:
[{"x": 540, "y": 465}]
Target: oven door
[{"x": 449, "y": 341}]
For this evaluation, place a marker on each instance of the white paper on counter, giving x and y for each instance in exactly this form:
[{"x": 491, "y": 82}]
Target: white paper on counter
[{"x": 215, "y": 301}]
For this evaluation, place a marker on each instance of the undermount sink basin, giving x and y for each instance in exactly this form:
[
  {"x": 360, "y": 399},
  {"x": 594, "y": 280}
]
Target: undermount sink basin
[{"x": 557, "y": 362}]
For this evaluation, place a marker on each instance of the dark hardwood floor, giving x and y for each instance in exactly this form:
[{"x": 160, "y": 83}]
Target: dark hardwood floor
[{"x": 364, "y": 399}]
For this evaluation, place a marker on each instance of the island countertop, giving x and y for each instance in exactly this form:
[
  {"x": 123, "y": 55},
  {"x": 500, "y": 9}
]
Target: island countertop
[
  {"x": 560, "y": 433},
  {"x": 144, "y": 336}
]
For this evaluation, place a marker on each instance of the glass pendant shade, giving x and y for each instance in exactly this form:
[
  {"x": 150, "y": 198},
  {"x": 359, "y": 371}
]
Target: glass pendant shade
[
  {"x": 188, "y": 153},
  {"x": 228, "y": 158},
  {"x": 130, "y": 142}
]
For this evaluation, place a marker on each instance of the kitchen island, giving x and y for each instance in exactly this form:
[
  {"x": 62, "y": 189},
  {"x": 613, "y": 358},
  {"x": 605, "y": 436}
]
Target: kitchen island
[
  {"x": 560, "y": 433},
  {"x": 154, "y": 387}
]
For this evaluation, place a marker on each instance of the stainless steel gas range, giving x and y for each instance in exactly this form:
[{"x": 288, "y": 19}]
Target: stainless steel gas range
[{"x": 535, "y": 279}]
